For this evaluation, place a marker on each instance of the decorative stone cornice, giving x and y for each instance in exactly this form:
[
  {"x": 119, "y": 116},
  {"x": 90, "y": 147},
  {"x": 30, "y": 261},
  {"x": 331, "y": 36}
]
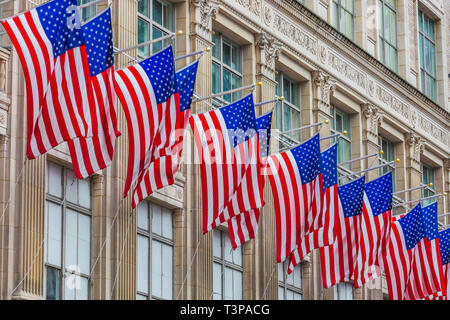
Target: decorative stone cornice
[
  {"x": 374, "y": 117},
  {"x": 270, "y": 50},
  {"x": 206, "y": 10},
  {"x": 417, "y": 146}
]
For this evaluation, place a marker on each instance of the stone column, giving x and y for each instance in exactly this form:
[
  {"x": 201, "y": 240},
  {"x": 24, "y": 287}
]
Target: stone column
[
  {"x": 415, "y": 147},
  {"x": 265, "y": 277}
]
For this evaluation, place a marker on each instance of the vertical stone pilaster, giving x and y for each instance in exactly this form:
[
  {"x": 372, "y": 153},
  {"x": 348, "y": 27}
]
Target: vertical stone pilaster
[
  {"x": 415, "y": 148},
  {"x": 323, "y": 87}
]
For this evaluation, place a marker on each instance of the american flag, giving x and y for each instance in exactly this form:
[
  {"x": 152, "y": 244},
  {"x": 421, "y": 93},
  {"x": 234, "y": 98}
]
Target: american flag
[
  {"x": 338, "y": 259},
  {"x": 149, "y": 95},
  {"x": 90, "y": 155},
  {"x": 444, "y": 245},
  {"x": 427, "y": 277},
  {"x": 244, "y": 226},
  {"x": 297, "y": 185},
  {"x": 406, "y": 233},
  {"x": 161, "y": 172},
  {"x": 375, "y": 229},
  {"x": 51, "y": 48},
  {"x": 325, "y": 235},
  {"x": 228, "y": 148}
]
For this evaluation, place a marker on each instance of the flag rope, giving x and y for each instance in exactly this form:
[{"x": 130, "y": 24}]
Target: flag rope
[
  {"x": 12, "y": 191},
  {"x": 106, "y": 238},
  {"x": 189, "y": 267},
  {"x": 120, "y": 257},
  {"x": 270, "y": 279}
]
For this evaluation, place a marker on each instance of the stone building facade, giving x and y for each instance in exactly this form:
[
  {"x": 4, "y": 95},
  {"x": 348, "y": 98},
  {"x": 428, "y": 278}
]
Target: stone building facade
[{"x": 377, "y": 69}]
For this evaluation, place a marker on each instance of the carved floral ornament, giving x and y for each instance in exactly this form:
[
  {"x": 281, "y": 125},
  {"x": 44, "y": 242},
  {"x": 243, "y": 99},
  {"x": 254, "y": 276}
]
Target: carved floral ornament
[
  {"x": 374, "y": 117},
  {"x": 417, "y": 144},
  {"x": 208, "y": 10},
  {"x": 324, "y": 84},
  {"x": 270, "y": 47}
]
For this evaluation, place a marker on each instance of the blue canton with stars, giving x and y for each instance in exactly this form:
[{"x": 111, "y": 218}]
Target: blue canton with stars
[
  {"x": 307, "y": 156},
  {"x": 99, "y": 43},
  {"x": 240, "y": 120},
  {"x": 430, "y": 221},
  {"x": 61, "y": 24},
  {"x": 351, "y": 196},
  {"x": 444, "y": 246},
  {"x": 412, "y": 226},
  {"x": 329, "y": 167},
  {"x": 186, "y": 82},
  {"x": 160, "y": 69},
  {"x": 379, "y": 193},
  {"x": 263, "y": 124}
]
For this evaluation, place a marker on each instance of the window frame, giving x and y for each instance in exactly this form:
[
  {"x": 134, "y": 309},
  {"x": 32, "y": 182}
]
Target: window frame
[
  {"x": 151, "y": 236},
  {"x": 84, "y": 10},
  {"x": 337, "y": 23},
  {"x": 382, "y": 36},
  {"x": 429, "y": 191},
  {"x": 151, "y": 23},
  {"x": 423, "y": 72},
  {"x": 221, "y": 101},
  {"x": 288, "y": 139},
  {"x": 347, "y": 138},
  {"x": 65, "y": 204},
  {"x": 386, "y": 157},
  {"x": 226, "y": 264},
  {"x": 286, "y": 286},
  {"x": 347, "y": 284}
]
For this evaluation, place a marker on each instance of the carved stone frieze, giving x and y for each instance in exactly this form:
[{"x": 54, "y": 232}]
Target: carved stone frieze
[
  {"x": 205, "y": 11},
  {"x": 270, "y": 50}
]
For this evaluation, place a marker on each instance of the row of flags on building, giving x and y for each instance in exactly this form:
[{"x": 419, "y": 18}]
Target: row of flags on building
[{"x": 72, "y": 90}]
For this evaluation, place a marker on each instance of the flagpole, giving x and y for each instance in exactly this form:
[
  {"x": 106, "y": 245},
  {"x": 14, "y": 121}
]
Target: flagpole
[
  {"x": 251, "y": 86},
  {"x": 168, "y": 36},
  {"x": 339, "y": 135},
  {"x": 280, "y": 98},
  {"x": 82, "y": 6},
  {"x": 306, "y": 127},
  {"x": 192, "y": 54},
  {"x": 362, "y": 158},
  {"x": 421, "y": 199},
  {"x": 415, "y": 188},
  {"x": 370, "y": 169}
]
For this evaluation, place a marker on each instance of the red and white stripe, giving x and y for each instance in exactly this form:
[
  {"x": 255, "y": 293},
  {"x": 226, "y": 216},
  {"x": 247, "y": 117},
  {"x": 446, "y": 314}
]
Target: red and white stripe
[
  {"x": 243, "y": 227},
  {"x": 150, "y": 124},
  {"x": 230, "y": 176},
  {"x": 427, "y": 277},
  {"x": 323, "y": 236},
  {"x": 296, "y": 204},
  {"x": 90, "y": 155},
  {"x": 373, "y": 241},
  {"x": 338, "y": 259},
  {"x": 58, "y": 89}
]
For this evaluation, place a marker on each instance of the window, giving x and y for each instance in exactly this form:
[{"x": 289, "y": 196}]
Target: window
[
  {"x": 290, "y": 285},
  {"x": 88, "y": 12},
  {"x": 67, "y": 250},
  {"x": 387, "y": 29},
  {"x": 155, "y": 19},
  {"x": 227, "y": 269},
  {"x": 226, "y": 69},
  {"x": 427, "y": 53},
  {"x": 343, "y": 291},
  {"x": 343, "y": 17},
  {"x": 340, "y": 122},
  {"x": 155, "y": 246},
  {"x": 288, "y": 110},
  {"x": 387, "y": 156},
  {"x": 427, "y": 178}
]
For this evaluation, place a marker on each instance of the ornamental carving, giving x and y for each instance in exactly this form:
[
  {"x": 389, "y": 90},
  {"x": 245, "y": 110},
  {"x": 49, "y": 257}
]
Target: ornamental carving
[
  {"x": 324, "y": 87},
  {"x": 270, "y": 49},
  {"x": 207, "y": 9},
  {"x": 267, "y": 15},
  {"x": 254, "y": 6},
  {"x": 417, "y": 146},
  {"x": 295, "y": 34},
  {"x": 374, "y": 118},
  {"x": 348, "y": 71}
]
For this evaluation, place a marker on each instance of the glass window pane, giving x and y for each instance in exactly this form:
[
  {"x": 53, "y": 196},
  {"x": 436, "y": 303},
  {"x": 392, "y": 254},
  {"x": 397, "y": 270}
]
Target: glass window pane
[
  {"x": 335, "y": 15},
  {"x": 54, "y": 234},
  {"x": 84, "y": 193},
  {"x": 82, "y": 292},
  {"x": 52, "y": 284},
  {"x": 217, "y": 281},
  {"x": 54, "y": 179},
  {"x": 71, "y": 187},
  {"x": 156, "y": 219},
  {"x": 289, "y": 295},
  {"x": 228, "y": 254},
  {"x": 420, "y": 21},
  {"x": 142, "y": 264},
  {"x": 279, "y": 115},
  {"x": 157, "y": 46},
  {"x": 297, "y": 276},
  {"x": 216, "y": 47},
  {"x": 167, "y": 272},
  {"x": 167, "y": 226},
  {"x": 215, "y": 78},
  {"x": 168, "y": 21},
  {"x": 287, "y": 118},
  {"x": 236, "y": 58},
  {"x": 226, "y": 84},
  {"x": 157, "y": 12},
  {"x": 228, "y": 294},
  {"x": 280, "y": 272},
  {"x": 236, "y": 83},
  {"x": 392, "y": 28},
  {"x": 143, "y": 7},
  {"x": 156, "y": 269},
  {"x": 296, "y": 123},
  {"x": 217, "y": 243},
  {"x": 237, "y": 256},
  {"x": 143, "y": 36},
  {"x": 280, "y": 293},
  {"x": 226, "y": 52},
  {"x": 142, "y": 216},
  {"x": 71, "y": 282},
  {"x": 84, "y": 243},
  {"x": 71, "y": 240},
  {"x": 287, "y": 90},
  {"x": 237, "y": 285},
  {"x": 141, "y": 297}
]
